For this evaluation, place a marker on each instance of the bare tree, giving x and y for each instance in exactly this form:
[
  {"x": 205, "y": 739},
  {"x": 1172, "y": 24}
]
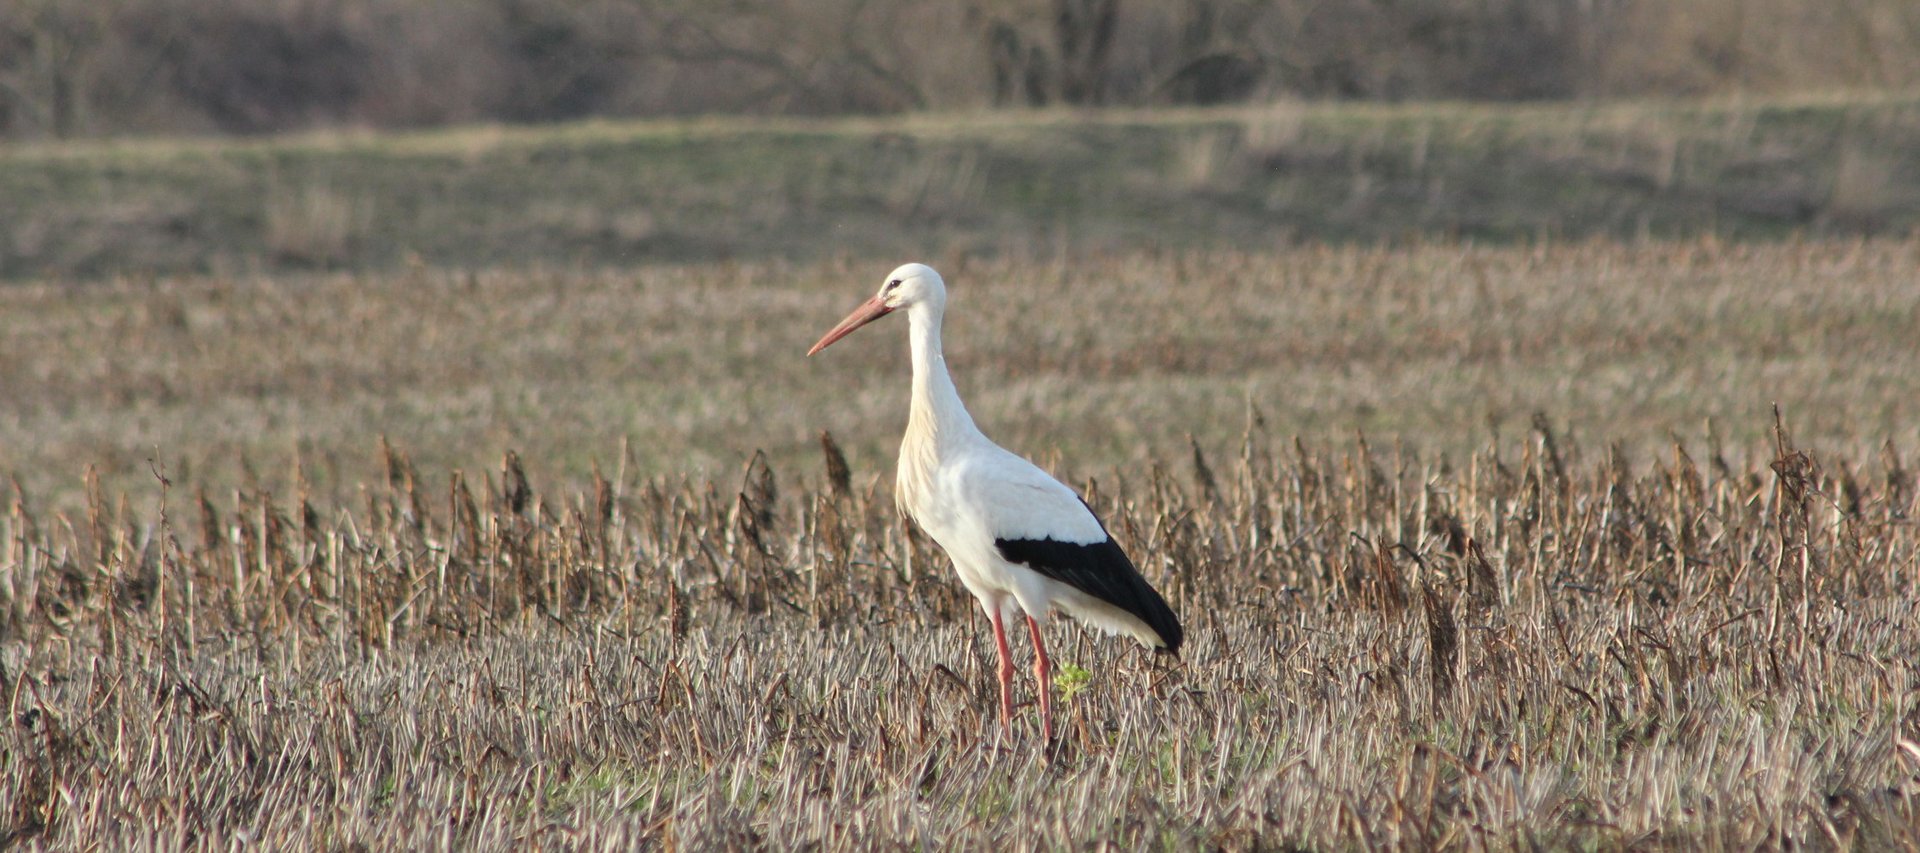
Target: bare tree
[
  {"x": 48, "y": 52},
  {"x": 72, "y": 67}
]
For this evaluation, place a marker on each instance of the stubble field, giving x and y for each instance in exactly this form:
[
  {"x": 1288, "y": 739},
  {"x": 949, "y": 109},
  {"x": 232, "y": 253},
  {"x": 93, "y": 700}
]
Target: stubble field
[{"x": 1477, "y": 547}]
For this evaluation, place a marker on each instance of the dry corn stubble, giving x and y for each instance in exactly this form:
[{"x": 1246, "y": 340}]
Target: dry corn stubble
[{"x": 1533, "y": 644}]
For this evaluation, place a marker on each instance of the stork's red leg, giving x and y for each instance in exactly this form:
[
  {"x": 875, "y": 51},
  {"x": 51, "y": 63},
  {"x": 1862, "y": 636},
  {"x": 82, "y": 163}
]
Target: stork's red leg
[
  {"x": 1041, "y": 667},
  {"x": 1006, "y": 669}
]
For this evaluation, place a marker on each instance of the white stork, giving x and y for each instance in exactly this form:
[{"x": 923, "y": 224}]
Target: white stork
[{"x": 1018, "y": 537}]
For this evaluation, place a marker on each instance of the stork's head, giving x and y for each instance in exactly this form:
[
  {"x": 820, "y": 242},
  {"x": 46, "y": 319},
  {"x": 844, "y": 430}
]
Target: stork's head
[{"x": 906, "y": 287}]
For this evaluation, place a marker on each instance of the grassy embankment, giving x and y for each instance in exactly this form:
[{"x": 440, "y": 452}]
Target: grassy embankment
[{"x": 940, "y": 185}]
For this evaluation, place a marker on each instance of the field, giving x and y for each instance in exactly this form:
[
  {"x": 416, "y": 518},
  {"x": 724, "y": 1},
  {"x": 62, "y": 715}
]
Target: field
[
  {"x": 1102, "y": 363},
  {"x": 1593, "y": 543}
]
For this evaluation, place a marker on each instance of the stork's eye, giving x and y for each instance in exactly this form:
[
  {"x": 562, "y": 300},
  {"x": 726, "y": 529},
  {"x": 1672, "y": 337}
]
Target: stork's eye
[{"x": 892, "y": 284}]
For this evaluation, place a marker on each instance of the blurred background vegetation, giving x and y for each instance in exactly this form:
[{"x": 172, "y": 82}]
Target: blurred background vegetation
[
  {"x": 234, "y": 231},
  {"x": 77, "y": 68}
]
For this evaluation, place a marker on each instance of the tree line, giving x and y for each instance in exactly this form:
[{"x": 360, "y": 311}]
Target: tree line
[{"x": 110, "y": 67}]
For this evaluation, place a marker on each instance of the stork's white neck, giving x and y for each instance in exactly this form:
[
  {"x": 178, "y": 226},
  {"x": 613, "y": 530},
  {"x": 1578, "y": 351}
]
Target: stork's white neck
[{"x": 937, "y": 416}]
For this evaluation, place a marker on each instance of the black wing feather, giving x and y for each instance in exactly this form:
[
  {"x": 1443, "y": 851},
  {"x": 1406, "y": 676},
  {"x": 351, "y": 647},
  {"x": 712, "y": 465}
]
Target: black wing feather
[{"x": 1102, "y": 570}]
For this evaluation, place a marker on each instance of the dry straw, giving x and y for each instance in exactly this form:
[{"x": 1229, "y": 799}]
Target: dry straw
[{"x": 1532, "y": 645}]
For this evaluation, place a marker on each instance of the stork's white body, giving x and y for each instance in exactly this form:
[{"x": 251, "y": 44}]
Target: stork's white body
[
  {"x": 983, "y": 504},
  {"x": 967, "y": 493}
]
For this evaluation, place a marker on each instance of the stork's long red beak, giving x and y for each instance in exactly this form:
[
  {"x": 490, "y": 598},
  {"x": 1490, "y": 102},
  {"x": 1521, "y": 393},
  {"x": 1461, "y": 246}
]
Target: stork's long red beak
[{"x": 869, "y": 311}]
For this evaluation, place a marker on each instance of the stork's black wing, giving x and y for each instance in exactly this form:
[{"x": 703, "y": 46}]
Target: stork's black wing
[{"x": 1102, "y": 570}]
